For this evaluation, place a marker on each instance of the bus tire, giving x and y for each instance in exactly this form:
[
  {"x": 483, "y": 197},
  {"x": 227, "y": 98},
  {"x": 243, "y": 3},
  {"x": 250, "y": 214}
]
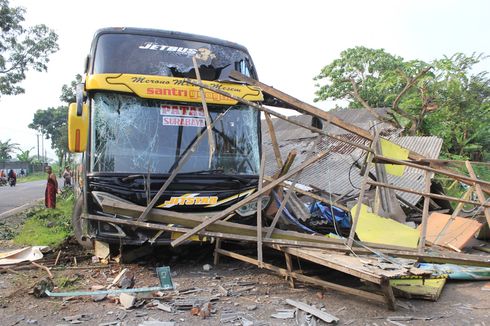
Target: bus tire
[{"x": 76, "y": 222}]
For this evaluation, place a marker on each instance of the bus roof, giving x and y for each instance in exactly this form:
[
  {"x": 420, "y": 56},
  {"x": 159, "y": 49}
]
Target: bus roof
[{"x": 169, "y": 34}]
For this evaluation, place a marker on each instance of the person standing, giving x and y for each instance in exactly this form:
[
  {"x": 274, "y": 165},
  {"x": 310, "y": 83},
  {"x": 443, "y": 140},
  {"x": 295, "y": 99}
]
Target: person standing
[
  {"x": 51, "y": 189},
  {"x": 67, "y": 177}
]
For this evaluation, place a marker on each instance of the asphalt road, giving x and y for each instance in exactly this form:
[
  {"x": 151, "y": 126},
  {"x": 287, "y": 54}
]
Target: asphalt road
[{"x": 21, "y": 194}]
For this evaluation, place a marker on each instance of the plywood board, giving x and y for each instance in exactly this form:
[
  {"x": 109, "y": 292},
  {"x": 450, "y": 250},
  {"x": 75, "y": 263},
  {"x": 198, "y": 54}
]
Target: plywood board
[
  {"x": 377, "y": 229},
  {"x": 459, "y": 231}
]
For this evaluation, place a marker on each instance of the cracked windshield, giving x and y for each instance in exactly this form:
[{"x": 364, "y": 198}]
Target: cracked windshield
[{"x": 134, "y": 135}]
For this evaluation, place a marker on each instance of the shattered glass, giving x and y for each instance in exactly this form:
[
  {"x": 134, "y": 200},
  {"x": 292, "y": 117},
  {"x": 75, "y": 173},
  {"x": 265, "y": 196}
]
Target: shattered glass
[
  {"x": 149, "y": 55},
  {"x": 134, "y": 135}
]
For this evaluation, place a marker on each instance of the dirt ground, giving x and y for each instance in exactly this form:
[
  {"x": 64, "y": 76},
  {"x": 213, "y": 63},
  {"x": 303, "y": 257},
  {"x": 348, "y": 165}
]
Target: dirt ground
[{"x": 255, "y": 294}]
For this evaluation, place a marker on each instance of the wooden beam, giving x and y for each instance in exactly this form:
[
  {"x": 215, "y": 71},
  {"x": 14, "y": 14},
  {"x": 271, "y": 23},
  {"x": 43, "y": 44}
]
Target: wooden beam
[
  {"x": 432, "y": 195},
  {"x": 463, "y": 178},
  {"x": 275, "y": 144},
  {"x": 302, "y": 106},
  {"x": 425, "y": 213},
  {"x": 328, "y": 244},
  {"x": 479, "y": 192},
  {"x": 250, "y": 198},
  {"x": 207, "y": 117},
  {"x": 259, "y": 212}
]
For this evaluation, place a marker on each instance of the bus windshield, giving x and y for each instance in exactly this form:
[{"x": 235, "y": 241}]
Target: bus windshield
[
  {"x": 135, "y": 135},
  {"x": 151, "y": 55}
]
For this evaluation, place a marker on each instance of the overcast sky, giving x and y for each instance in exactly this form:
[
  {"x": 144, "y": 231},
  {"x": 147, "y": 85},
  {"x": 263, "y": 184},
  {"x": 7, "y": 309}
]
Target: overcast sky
[{"x": 290, "y": 41}]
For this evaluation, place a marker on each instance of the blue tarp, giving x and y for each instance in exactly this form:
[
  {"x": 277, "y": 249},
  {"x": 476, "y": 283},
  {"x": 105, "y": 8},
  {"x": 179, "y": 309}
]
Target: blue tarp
[{"x": 324, "y": 211}]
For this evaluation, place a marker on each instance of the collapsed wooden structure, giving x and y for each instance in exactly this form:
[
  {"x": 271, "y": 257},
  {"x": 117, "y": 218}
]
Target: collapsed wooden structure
[{"x": 338, "y": 253}]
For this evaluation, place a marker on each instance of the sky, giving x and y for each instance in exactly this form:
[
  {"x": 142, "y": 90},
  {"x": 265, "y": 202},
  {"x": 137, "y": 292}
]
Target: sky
[{"x": 289, "y": 41}]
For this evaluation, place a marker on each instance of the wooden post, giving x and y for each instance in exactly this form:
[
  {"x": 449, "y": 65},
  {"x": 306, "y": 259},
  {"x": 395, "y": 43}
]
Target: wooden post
[
  {"x": 361, "y": 192},
  {"x": 289, "y": 266},
  {"x": 216, "y": 251},
  {"x": 259, "y": 212},
  {"x": 211, "y": 143},
  {"x": 275, "y": 144},
  {"x": 479, "y": 192},
  {"x": 425, "y": 214}
]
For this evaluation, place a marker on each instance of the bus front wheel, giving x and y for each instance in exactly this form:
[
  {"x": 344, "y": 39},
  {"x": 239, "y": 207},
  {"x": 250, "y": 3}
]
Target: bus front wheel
[{"x": 76, "y": 221}]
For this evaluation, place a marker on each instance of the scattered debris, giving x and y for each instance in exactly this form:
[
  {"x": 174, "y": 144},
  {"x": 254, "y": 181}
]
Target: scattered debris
[
  {"x": 207, "y": 267},
  {"x": 78, "y": 318},
  {"x": 326, "y": 317},
  {"x": 40, "y": 288},
  {"x": 17, "y": 256},
  {"x": 284, "y": 314},
  {"x": 127, "y": 300}
]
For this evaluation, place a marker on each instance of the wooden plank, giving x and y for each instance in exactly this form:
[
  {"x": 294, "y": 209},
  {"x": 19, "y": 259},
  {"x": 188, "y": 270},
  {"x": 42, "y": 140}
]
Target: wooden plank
[
  {"x": 254, "y": 196},
  {"x": 275, "y": 145},
  {"x": 461, "y": 177},
  {"x": 278, "y": 115},
  {"x": 216, "y": 254},
  {"x": 479, "y": 192},
  {"x": 259, "y": 211},
  {"x": 453, "y": 215},
  {"x": 302, "y": 106},
  {"x": 308, "y": 279},
  {"x": 326, "y": 260},
  {"x": 326, "y": 317},
  {"x": 432, "y": 195},
  {"x": 425, "y": 213},
  {"x": 207, "y": 117},
  {"x": 355, "y": 218}
]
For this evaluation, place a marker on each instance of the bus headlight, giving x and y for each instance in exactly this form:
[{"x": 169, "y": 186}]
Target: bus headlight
[{"x": 251, "y": 208}]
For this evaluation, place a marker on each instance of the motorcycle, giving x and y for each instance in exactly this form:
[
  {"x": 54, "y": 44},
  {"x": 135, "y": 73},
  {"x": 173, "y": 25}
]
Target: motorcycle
[{"x": 12, "y": 182}]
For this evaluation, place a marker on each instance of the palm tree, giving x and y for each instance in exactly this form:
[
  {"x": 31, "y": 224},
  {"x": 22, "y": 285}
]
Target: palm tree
[
  {"x": 6, "y": 148},
  {"x": 25, "y": 156}
]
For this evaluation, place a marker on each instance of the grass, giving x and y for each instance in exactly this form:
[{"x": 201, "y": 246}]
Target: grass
[
  {"x": 33, "y": 177},
  {"x": 48, "y": 227}
]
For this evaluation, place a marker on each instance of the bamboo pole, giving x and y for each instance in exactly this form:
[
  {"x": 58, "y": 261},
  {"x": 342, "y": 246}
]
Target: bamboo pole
[
  {"x": 275, "y": 145},
  {"x": 479, "y": 192},
  {"x": 412, "y": 191},
  {"x": 425, "y": 213},
  {"x": 212, "y": 145},
  {"x": 259, "y": 212}
]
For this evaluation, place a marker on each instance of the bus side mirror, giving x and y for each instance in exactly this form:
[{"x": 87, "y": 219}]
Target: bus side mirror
[{"x": 77, "y": 127}]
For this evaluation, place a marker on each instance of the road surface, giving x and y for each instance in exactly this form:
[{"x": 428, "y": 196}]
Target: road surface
[{"x": 21, "y": 194}]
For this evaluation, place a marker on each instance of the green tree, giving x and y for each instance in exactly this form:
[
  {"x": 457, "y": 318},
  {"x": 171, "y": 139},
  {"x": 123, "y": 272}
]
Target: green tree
[
  {"x": 6, "y": 149},
  {"x": 52, "y": 122},
  {"x": 372, "y": 78},
  {"x": 21, "y": 48},
  {"x": 25, "y": 155},
  {"x": 463, "y": 100},
  {"x": 444, "y": 98}
]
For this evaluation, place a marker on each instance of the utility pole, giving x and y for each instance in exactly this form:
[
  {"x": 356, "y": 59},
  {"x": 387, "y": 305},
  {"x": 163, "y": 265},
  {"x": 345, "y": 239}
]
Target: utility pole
[
  {"x": 37, "y": 147},
  {"x": 42, "y": 147}
]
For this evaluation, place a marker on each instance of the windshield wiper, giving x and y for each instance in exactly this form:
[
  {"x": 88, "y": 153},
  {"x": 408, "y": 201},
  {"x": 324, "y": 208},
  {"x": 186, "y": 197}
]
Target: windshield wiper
[{"x": 213, "y": 171}]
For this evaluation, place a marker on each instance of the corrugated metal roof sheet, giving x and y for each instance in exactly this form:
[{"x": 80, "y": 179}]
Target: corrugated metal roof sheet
[{"x": 335, "y": 172}]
